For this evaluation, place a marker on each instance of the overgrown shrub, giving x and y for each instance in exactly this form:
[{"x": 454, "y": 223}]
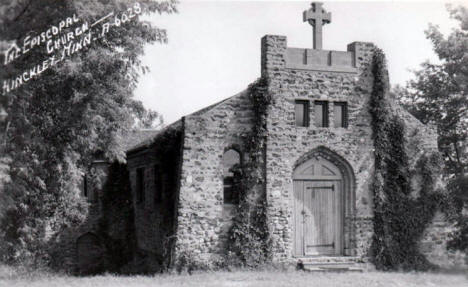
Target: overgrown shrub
[{"x": 34, "y": 217}]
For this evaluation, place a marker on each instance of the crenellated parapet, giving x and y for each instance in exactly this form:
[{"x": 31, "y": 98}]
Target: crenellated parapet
[{"x": 320, "y": 60}]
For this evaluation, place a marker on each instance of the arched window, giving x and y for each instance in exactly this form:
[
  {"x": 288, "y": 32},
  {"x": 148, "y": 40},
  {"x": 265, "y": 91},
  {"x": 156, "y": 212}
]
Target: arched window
[{"x": 231, "y": 162}]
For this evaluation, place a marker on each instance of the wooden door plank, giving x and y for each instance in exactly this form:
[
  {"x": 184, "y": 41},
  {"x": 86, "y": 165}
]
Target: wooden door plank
[
  {"x": 298, "y": 218},
  {"x": 309, "y": 236},
  {"x": 339, "y": 218}
]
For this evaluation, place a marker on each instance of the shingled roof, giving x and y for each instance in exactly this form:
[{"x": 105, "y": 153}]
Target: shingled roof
[
  {"x": 135, "y": 138},
  {"x": 150, "y": 138}
]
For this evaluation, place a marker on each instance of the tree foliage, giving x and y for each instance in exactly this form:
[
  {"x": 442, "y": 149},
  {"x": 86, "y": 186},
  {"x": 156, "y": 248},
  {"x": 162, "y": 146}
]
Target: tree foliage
[
  {"x": 58, "y": 120},
  {"x": 439, "y": 95}
]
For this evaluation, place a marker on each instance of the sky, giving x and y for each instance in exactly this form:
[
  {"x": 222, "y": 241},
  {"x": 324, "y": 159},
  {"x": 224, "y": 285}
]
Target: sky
[{"x": 214, "y": 47}]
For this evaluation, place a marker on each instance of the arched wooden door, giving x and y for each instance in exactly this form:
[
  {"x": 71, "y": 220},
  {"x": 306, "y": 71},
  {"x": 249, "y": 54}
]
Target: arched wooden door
[{"x": 318, "y": 208}]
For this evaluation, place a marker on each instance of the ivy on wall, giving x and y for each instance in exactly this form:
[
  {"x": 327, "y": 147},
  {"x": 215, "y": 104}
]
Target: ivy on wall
[
  {"x": 168, "y": 146},
  {"x": 249, "y": 237},
  {"x": 401, "y": 214}
]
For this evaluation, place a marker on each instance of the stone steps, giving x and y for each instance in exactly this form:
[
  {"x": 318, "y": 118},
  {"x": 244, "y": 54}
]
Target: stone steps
[
  {"x": 332, "y": 264},
  {"x": 334, "y": 269}
]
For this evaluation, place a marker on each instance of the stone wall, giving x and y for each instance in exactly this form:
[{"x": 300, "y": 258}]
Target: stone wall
[{"x": 202, "y": 218}]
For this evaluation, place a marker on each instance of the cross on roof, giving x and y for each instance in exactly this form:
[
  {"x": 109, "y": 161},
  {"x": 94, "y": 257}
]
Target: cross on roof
[{"x": 317, "y": 16}]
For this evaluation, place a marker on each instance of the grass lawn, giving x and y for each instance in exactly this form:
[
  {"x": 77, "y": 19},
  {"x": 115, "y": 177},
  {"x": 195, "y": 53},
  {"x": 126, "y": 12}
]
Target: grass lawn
[{"x": 12, "y": 278}]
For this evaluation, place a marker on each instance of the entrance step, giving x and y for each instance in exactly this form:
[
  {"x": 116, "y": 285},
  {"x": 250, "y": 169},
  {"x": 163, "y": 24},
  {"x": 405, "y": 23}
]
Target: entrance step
[{"x": 333, "y": 264}]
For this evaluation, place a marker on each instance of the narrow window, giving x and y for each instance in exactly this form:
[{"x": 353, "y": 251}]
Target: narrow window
[
  {"x": 140, "y": 184},
  {"x": 340, "y": 114},
  {"x": 85, "y": 186},
  {"x": 158, "y": 185},
  {"x": 231, "y": 165},
  {"x": 321, "y": 114},
  {"x": 302, "y": 113}
]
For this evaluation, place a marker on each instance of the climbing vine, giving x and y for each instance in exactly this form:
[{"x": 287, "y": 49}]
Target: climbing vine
[
  {"x": 249, "y": 237},
  {"x": 401, "y": 214},
  {"x": 169, "y": 146}
]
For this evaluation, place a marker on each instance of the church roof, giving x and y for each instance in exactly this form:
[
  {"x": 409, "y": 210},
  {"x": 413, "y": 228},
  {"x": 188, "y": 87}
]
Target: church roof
[
  {"x": 147, "y": 139},
  {"x": 135, "y": 138}
]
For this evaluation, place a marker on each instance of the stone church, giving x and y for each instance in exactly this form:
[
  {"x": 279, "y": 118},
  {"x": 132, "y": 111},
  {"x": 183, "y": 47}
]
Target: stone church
[{"x": 317, "y": 162}]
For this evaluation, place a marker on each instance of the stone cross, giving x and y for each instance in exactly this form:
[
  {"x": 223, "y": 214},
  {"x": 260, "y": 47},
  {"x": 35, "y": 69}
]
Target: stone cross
[{"x": 316, "y": 16}]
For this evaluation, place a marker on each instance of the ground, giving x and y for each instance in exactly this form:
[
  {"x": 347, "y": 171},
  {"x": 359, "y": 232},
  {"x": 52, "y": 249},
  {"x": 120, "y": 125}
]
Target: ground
[{"x": 13, "y": 278}]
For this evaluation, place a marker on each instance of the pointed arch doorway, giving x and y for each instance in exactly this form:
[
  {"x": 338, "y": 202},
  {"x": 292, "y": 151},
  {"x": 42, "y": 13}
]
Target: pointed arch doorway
[{"x": 319, "y": 207}]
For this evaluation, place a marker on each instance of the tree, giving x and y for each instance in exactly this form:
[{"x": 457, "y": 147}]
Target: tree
[
  {"x": 147, "y": 118},
  {"x": 59, "y": 119},
  {"x": 439, "y": 96}
]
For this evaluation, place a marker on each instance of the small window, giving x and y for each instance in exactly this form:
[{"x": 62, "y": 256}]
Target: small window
[
  {"x": 140, "y": 184},
  {"x": 340, "y": 114},
  {"x": 158, "y": 185},
  {"x": 85, "y": 186},
  {"x": 321, "y": 114},
  {"x": 302, "y": 113},
  {"x": 231, "y": 162}
]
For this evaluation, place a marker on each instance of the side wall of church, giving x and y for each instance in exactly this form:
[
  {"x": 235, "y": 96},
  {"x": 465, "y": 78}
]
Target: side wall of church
[
  {"x": 155, "y": 209},
  {"x": 202, "y": 218}
]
